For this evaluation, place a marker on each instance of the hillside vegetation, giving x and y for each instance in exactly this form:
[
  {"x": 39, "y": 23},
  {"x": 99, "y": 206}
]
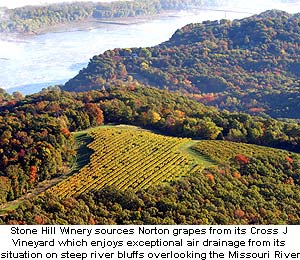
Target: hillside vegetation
[
  {"x": 37, "y": 144},
  {"x": 249, "y": 65},
  {"x": 242, "y": 190},
  {"x": 226, "y": 151},
  {"x": 253, "y": 161}
]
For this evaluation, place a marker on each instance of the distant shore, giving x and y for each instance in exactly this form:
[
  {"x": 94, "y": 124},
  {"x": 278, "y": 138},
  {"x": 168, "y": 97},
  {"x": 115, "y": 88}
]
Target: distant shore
[
  {"x": 89, "y": 24},
  {"x": 22, "y": 3}
]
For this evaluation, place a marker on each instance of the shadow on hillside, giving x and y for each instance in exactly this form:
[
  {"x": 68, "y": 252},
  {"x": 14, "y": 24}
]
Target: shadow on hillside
[{"x": 83, "y": 152}]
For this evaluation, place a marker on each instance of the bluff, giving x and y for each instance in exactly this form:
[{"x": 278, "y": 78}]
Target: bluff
[{"x": 250, "y": 65}]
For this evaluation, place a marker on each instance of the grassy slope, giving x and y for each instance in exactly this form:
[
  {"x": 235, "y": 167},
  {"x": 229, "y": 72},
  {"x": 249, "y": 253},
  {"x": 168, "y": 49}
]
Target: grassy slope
[
  {"x": 187, "y": 148},
  {"x": 82, "y": 139}
]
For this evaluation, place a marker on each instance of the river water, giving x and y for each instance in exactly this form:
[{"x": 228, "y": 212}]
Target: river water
[{"x": 31, "y": 63}]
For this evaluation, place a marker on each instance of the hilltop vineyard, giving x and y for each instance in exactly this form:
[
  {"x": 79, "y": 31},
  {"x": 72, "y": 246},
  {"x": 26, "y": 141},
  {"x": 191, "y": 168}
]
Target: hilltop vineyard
[{"x": 129, "y": 158}]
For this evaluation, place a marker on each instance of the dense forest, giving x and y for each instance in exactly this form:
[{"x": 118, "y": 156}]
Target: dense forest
[
  {"x": 33, "y": 19},
  {"x": 250, "y": 65}
]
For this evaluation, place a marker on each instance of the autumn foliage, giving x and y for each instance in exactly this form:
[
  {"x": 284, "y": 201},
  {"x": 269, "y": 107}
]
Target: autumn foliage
[
  {"x": 242, "y": 159},
  {"x": 33, "y": 174},
  {"x": 210, "y": 176},
  {"x": 289, "y": 159},
  {"x": 238, "y": 213}
]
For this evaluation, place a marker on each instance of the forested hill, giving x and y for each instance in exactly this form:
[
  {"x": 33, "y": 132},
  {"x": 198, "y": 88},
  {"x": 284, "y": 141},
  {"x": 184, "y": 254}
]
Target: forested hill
[
  {"x": 250, "y": 65},
  {"x": 33, "y": 19},
  {"x": 36, "y": 143},
  {"x": 252, "y": 184}
]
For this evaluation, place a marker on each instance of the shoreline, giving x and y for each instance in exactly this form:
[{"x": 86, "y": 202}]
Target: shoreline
[{"x": 90, "y": 24}]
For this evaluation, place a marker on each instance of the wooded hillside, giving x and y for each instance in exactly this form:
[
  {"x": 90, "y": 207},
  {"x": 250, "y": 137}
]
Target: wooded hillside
[{"x": 250, "y": 65}]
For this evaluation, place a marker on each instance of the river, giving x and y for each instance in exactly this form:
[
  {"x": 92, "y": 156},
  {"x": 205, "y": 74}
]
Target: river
[{"x": 31, "y": 63}]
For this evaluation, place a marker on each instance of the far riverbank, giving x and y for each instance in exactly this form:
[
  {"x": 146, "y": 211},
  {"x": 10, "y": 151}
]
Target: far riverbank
[{"x": 91, "y": 24}]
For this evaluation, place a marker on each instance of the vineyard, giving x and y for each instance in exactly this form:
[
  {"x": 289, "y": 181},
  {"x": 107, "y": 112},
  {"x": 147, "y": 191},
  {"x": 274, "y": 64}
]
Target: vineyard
[
  {"x": 129, "y": 158},
  {"x": 223, "y": 151}
]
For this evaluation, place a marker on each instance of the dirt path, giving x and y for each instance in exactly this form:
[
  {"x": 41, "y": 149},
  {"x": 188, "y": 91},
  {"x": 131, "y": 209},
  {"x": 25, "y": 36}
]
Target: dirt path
[{"x": 201, "y": 159}]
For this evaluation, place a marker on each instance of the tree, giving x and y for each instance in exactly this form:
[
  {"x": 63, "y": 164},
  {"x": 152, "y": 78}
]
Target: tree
[
  {"x": 207, "y": 129},
  {"x": 242, "y": 159},
  {"x": 17, "y": 96},
  {"x": 153, "y": 116},
  {"x": 18, "y": 178},
  {"x": 5, "y": 186},
  {"x": 95, "y": 114}
]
